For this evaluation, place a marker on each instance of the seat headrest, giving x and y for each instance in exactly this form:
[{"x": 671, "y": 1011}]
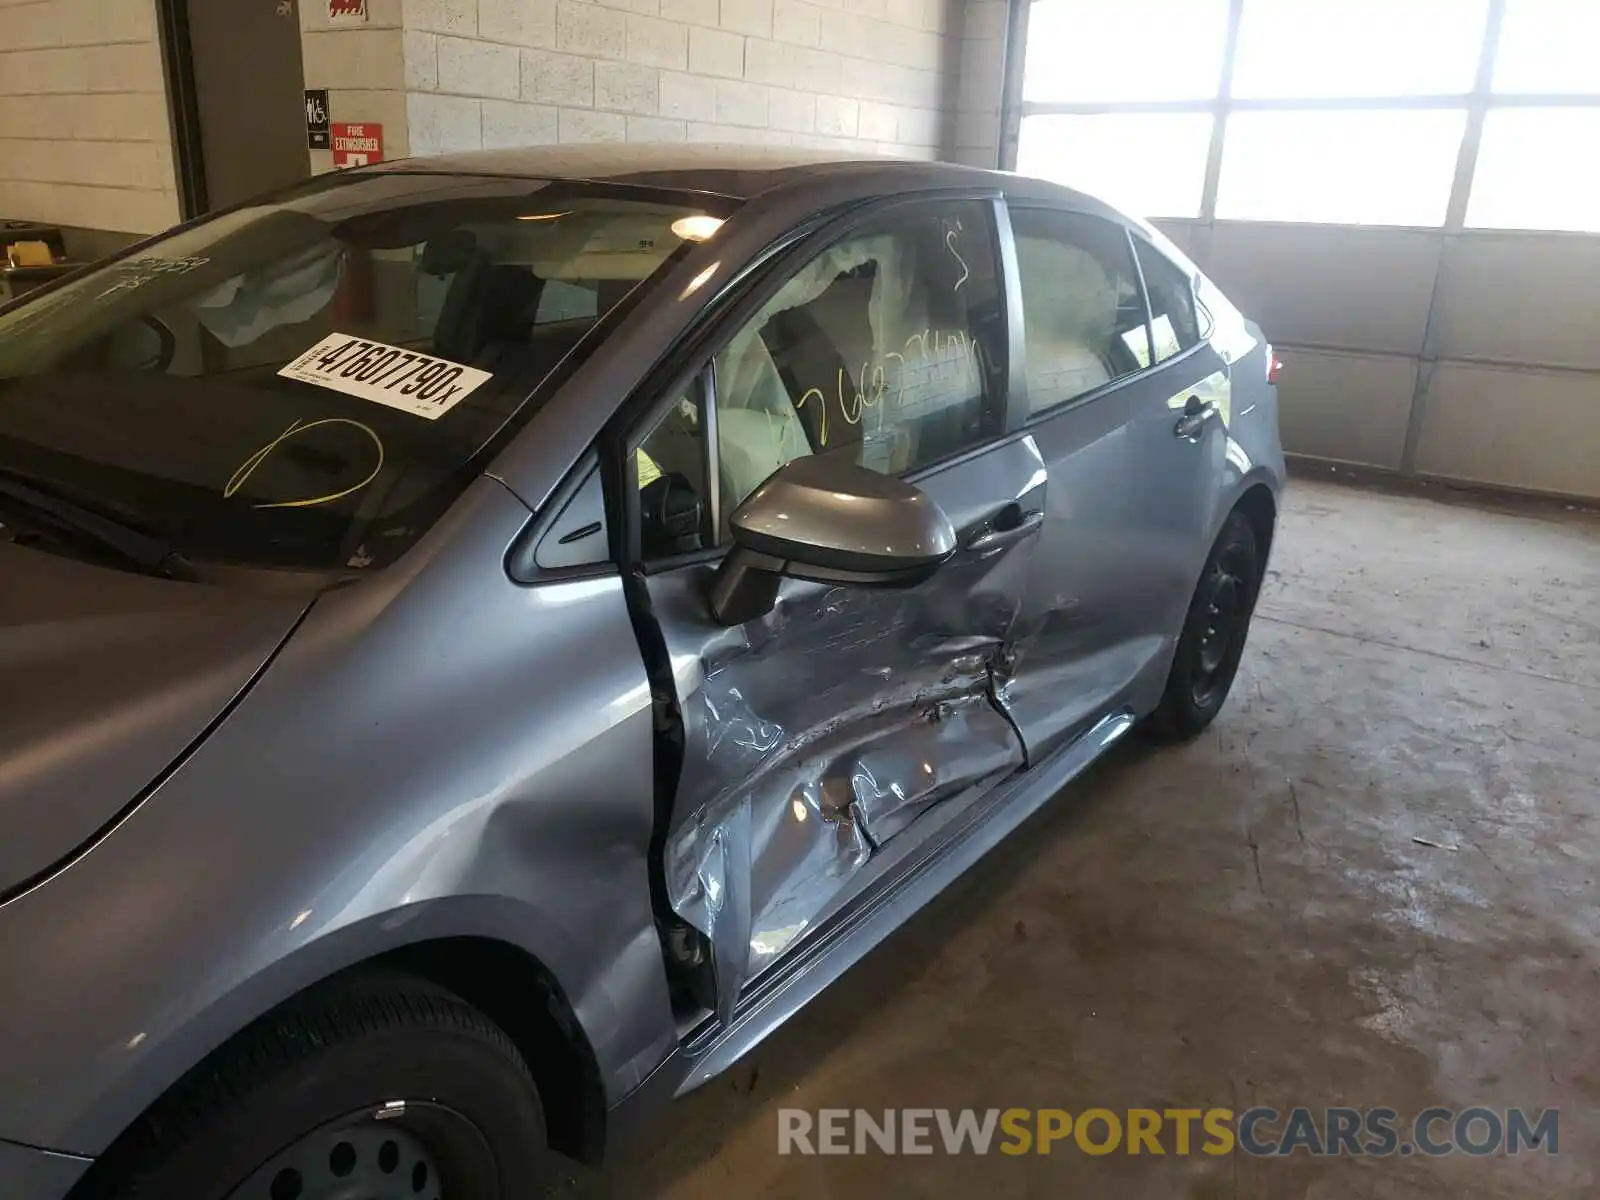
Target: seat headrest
[
  {"x": 1069, "y": 293},
  {"x": 449, "y": 253}
]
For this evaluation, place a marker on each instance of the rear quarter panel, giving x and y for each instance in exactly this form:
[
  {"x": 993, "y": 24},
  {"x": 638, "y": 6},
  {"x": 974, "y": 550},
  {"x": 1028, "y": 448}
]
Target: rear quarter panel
[
  {"x": 1254, "y": 449},
  {"x": 1253, "y": 453}
]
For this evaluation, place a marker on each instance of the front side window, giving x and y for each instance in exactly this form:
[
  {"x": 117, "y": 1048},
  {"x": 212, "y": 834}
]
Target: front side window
[
  {"x": 888, "y": 346},
  {"x": 1082, "y": 312},
  {"x": 670, "y": 466},
  {"x": 311, "y": 382},
  {"x": 1174, "y": 327}
]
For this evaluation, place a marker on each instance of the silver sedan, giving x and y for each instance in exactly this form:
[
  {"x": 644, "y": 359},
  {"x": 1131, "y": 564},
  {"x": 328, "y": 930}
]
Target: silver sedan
[{"x": 485, "y": 640}]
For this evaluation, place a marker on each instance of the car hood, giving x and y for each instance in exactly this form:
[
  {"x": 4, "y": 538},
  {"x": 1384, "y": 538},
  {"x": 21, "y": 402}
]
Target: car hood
[{"x": 106, "y": 678}]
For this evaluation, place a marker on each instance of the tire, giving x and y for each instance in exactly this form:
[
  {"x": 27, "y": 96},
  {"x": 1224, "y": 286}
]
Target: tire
[
  {"x": 369, "y": 1087},
  {"x": 1208, "y": 653}
]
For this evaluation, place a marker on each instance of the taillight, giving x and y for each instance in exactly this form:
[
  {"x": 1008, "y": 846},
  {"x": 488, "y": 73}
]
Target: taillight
[{"x": 1274, "y": 364}]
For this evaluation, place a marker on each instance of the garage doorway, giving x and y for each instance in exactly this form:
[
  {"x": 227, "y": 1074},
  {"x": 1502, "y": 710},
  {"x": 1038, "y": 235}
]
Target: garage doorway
[{"x": 237, "y": 83}]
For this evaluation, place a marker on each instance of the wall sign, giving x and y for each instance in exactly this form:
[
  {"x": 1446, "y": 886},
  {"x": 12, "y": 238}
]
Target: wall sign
[
  {"x": 317, "y": 114},
  {"x": 340, "y": 11},
  {"x": 357, "y": 145}
]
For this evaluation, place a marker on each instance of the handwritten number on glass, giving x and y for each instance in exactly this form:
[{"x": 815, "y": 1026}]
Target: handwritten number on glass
[{"x": 922, "y": 348}]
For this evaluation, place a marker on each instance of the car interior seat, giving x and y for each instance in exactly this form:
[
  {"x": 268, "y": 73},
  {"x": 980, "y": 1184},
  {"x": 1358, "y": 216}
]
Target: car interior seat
[
  {"x": 811, "y": 347},
  {"x": 1070, "y": 315},
  {"x": 939, "y": 396},
  {"x": 758, "y": 427},
  {"x": 458, "y": 332}
]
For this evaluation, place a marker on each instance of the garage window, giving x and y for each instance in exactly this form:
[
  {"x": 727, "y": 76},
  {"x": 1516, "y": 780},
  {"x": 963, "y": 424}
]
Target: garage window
[
  {"x": 1351, "y": 168},
  {"x": 1144, "y": 163},
  {"x": 1531, "y": 173},
  {"x": 1085, "y": 57},
  {"x": 1169, "y": 49},
  {"x": 1356, "y": 112},
  {"x": 1346, "y": 49},
  {"x": 1548, "y": 46}
]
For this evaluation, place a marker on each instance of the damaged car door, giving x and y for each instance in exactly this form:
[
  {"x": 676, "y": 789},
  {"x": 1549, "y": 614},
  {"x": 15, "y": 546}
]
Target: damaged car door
[{"x": 823, "y": 727}]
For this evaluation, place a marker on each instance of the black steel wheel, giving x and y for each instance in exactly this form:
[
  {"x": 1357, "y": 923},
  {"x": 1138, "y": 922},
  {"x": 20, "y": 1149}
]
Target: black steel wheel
[
  {"x": 1214, "y": 632},
  {"x": 388, "y": 1155},
  {"x": 381, "y": 1088}
]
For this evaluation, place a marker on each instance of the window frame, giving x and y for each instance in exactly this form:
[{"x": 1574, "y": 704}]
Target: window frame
[
  {"x": 1202, "y": 337},
  {"x": 1133, "y": 236},
  {"x": 739, "y": 300},
  {"x": 1033, "y": 418},
  {"x": 522, "y": 558}
]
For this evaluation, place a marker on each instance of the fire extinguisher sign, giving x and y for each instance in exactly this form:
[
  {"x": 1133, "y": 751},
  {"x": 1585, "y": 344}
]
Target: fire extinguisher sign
[
  {"x": 357, "y": 145},
  {"x": 347, "y": 10}
]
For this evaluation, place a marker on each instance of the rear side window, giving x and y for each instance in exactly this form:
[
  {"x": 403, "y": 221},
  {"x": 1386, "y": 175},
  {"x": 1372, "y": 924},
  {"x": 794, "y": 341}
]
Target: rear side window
[
  {"x": 1083, "y": 314},
  {"x": 1173, "y": 325}
]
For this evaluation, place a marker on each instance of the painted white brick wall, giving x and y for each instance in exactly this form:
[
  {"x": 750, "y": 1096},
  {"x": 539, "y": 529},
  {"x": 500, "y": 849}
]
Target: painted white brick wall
[
  {"x": 370, "y": 68},
  {"x": 865, "y": 75},
  {"x": 980, "y": 75},
  {"x": 84, "y": 133}
]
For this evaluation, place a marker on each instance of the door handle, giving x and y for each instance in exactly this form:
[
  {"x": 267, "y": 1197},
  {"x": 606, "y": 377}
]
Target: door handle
[
  {"x": 1195, "y": 415},
  {"x": 993, "y": 539}
]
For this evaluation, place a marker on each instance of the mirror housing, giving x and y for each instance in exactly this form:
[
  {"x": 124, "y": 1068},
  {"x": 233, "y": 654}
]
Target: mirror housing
[{"x": 823, "y": 518}]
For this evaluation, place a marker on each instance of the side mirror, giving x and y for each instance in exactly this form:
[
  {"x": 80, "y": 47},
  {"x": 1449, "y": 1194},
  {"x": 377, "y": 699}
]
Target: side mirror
[{"x": 824, "y": 518}]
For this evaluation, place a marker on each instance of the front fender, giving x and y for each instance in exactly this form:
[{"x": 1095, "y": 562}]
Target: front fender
[
  {"x": 82, "y": 1059},
  {"x": 437, "y": 752}
]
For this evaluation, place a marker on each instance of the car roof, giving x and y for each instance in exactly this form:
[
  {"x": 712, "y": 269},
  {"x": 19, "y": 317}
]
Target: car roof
[{"x": 737, "y": 172}]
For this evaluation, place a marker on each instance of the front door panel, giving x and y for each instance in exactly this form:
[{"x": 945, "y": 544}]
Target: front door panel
[{"x": 817, "y": 733}]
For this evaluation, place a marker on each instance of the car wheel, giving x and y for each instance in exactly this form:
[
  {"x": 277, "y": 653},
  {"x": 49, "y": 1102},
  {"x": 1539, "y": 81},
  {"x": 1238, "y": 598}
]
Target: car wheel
[
  {"x": 1213, "y": 637},
  {"x": 379, "y": 1088}
]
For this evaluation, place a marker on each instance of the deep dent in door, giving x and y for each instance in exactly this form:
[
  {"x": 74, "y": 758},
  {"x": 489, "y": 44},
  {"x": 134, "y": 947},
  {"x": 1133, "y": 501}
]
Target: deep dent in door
[{"x": 817, "y": 733}]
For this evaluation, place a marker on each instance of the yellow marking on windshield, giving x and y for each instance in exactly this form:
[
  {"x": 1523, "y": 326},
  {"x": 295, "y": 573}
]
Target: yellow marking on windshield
[{"x": 248, "y": 467}]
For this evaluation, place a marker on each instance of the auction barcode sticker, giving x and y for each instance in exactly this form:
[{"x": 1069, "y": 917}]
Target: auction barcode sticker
[{"x": 419, "y": 384}]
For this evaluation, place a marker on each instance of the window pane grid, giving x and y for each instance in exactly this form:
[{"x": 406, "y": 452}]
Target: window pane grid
[
  {"x": 1393, "y": 83},
  {"x": 1311, "y": 48},
  {"x": 1346, "y": 168},
  {"x": 1149, "y": 164}
]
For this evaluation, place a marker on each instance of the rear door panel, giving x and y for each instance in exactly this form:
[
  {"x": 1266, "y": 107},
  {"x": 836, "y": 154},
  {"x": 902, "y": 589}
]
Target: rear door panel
[
  {"x": 1124, "y": 538},
  {"x": 1129, "y": 500}
]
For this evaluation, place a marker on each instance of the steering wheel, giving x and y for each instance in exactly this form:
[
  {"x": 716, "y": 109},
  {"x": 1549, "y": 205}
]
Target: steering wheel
[{"x": 141, "y": 343}]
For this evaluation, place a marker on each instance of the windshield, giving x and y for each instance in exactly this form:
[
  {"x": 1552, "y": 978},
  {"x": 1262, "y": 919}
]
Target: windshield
[{"x": 311, "y": 382}]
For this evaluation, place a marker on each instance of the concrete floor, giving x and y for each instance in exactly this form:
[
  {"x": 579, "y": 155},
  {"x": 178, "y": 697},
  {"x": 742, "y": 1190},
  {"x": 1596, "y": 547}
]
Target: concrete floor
[{"x": 1248, "y": 919}]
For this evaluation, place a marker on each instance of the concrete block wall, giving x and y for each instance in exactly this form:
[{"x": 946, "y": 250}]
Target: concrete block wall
[
  {"x": 975, "y": 129},
  {"x": 866, "y": 75},
  {"x": 363, "y": 67},
  {"x": 85, "y": 137}
]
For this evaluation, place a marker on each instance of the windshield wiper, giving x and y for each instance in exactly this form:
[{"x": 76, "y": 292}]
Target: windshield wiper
[{"x": 43, "y": 510}]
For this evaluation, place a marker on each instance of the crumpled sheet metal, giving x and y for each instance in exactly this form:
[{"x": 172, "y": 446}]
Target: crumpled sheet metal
[{"x": 795, "y": 772}]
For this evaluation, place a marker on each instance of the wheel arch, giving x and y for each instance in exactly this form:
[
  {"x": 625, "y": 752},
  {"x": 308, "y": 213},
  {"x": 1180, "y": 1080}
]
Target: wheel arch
[
  {"x": 510, "y": 984},
  {"x": 516, "y": 991},
  {"x": 1259, "y": 506}
]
